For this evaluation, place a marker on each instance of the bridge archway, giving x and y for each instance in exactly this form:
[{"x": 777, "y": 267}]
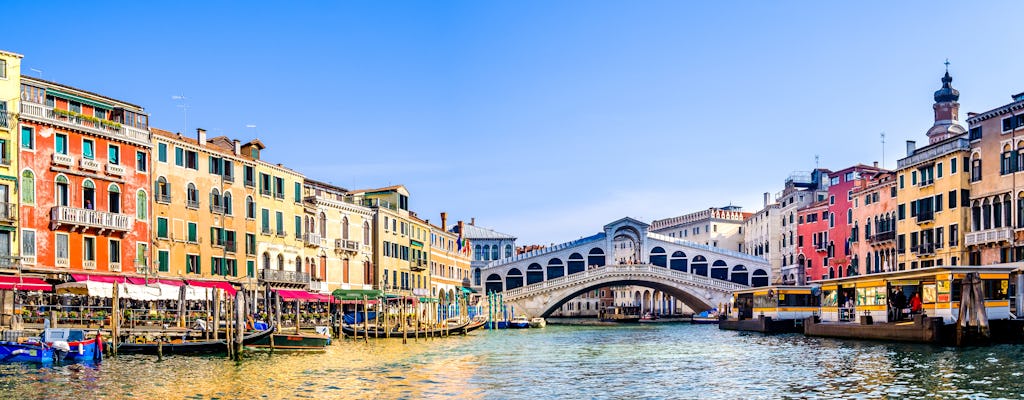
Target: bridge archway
[
  {"x": 514, "y": 279},
  {"x": 494, "y": 283},
  {"x": 700, "y": 266},
  {"x": 691, "y": 300},
  {"x": 596, "y": 257},
  {"x": 555, "y": 268},
  {"x": 739, "y": 275},
  {"x": 678, "y": 261},
  {"x": 576, "y": 263},
  {"x": 534, "y": 274},
  {"x": 720, "y": 270},
  {"x": 658, "y": 256}
]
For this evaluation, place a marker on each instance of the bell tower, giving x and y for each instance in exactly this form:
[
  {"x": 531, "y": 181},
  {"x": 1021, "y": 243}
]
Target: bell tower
[{"x": 947, "y": 111}]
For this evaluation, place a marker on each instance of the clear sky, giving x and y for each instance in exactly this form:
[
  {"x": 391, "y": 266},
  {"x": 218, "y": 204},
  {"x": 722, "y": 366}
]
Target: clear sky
[{"x": 542, "y": 119}]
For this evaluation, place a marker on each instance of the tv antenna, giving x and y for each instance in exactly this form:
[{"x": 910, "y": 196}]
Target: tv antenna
[
  {"x": 184, "y": 108},
  {"x": 38, "y": 71},
  {"x": 883, "y": 148}
]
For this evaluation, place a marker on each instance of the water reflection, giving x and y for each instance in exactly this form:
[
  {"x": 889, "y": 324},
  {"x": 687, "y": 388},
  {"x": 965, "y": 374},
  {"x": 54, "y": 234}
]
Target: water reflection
[{"x": 640, "y": 361}]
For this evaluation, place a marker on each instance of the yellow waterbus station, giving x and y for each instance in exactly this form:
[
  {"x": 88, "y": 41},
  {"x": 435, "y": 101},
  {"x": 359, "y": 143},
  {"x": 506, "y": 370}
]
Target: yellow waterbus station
[
  {"x": 771, "y": 309},
  {"x": 920, "y": 305}
]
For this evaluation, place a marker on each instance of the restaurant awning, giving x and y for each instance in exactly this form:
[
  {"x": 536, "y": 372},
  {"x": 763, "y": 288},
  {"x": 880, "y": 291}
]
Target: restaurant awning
[
  {"x": 87, "y": 288},
  {"x": 355, "y": 294},
  {"x": 153, "y": 291},
  {"x": 98, "y": 278},
  {"x": 24, "y": 283},
  {"x": 292, "y": 295},
  {"x": 228, "y": 288}
]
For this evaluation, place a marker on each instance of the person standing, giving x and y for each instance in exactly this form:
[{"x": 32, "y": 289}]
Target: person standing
[
  {"x": 899, "y": 301},
  {"x": 915, "y": 304}
]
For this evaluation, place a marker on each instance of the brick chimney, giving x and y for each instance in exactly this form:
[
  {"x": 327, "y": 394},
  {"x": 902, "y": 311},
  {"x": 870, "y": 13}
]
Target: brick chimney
[
  {"x": 201, "y": 133},
  {"x": 238, "y": 146},
  {"x": 461, "y": 226},
  {"x": 472, "y": 221},
  {"x": 444, "y": 221}
]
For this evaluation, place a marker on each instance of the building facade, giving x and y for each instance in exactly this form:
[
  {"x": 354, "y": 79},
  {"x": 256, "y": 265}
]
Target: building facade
[
  {"x": 719, "y": 227},
  {"x": 801, "y": 189},
  {"x": 84, "y": 174},
  {"x": 933, "y": 190},
  {"x": 279, "y": 211},
  {"x": 762, "y": 235},
  {"x": 338, "y": 239},
  {"x": 449, "y": 265},
  {"x": 401, "y": 242},
  {"x": 873, "y": 234},
  {"x": 486, "y": 245},
  {"x": 997, "y": 200},
  {"x": 10, "y": 94},
  {"x": 813, "y": 239},
  {"x": 202, "y": 227}
]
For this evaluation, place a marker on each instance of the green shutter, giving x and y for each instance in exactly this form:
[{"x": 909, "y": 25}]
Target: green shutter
[
  {"x": 199, "y": 265},
  {"x": 250, "y": 268},
  {"x": 162, "y": 152},
  {"x": 279, "y": 217},
  {"x": 179, "y": 157},
  {"x": 298, "y": 226},
  {"x": 192, "y": 232},
  {"x": 298, "y": 192},
  {"x": 266, "y": 219},
  {"x": 164, "y": 260},
  {"x": 161, "y": 228}
]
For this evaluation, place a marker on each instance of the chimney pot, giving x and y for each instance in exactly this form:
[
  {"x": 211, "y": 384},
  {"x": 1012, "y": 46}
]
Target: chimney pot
[
  {"x": 444, "y": 221},
  {"x": 201, "y": 133},
  {"x": 472, "y": 221},
  {"x": 910, "y": 147},
  {"x": 875, "y": 164},
  {"x": 238, "y": 146}
]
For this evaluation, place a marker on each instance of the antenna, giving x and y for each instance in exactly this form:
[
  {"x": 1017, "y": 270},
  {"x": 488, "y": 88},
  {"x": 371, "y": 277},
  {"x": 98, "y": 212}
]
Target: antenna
[
  {"x": 184, "y": 108},
  {"x": 38, "y": 71},
  {"x": 883, "y": 148},
  {"x": 816, "y": 159}
]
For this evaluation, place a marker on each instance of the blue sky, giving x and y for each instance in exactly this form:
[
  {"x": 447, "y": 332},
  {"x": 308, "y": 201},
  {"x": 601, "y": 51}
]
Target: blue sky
[{"x": 541, "y": 119}]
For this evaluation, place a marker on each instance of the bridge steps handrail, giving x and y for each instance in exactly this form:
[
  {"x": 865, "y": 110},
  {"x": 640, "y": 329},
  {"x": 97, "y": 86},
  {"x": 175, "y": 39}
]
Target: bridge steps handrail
[
  {"x": 610, "y": 270},
  {"x": 705, "y": 247},
  {"x": 546, "y": 250}
]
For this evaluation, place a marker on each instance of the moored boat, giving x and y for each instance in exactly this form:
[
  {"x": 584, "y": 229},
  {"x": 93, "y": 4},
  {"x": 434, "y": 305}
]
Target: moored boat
[
  {"x": 292, "y": 342},
  {"x": 771, "y": 309},
  {"x": 378, "y": 333},
  {"x": 35, "y": 352},
  {"x": 56, "y": 344},
  {"x": 538, "y": 322},
  {"x": 706, "y": 317},
  {"x": 519, "y": 322},
  {"x": 187, "y": 347},
  {"x": 619, "y": 314}
]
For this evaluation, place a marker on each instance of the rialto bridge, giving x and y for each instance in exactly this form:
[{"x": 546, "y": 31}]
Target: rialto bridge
[{"x": 625, "y": 253}]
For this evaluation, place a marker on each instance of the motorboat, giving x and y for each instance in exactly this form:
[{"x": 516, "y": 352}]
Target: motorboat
[
  {"x": 519, "y": 322},
  {"x": 538, "y": 322}
]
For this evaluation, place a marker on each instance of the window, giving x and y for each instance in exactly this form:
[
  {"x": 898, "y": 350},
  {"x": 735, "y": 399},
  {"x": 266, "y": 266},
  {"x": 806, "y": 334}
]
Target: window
[
  {"x": 179, "y": 156},
  {"x": 279, "y": 218},
  {"x": 88, "y": 248},
  {"x": 265, "y": 223},
  {"x": 831, "y": 200},
  {"x": 250, "y": 268},
  {"x": 88, "y": 151},
  {"x": 114, "y": 198},
  {"x": 216, "y": 166},
  {"x": 250, "y": 208},
  {"x": 901, "y": 211},
  {"x": 114, "y": 248},
  {"x": 141, "y": 161},
  {"x": 3, "y": 69},
  {"x": 250, "y": 244},
  {"x": 366, "y": 233},
  {"x": 191, "y": 160},
  {"x": 61, "y": 186},
  {"x": 163, "y": 260},
  {"x": 161, "y": 152},
  {"x": 193, "y": 233},
  {"x": 28, "y": 187},
  {"x": 264, "y": 184},
  {"x": 192, "y": 264},
  {"x": 28, "y": 139},
  {"x": 28, "y": 243},
  {"x": 952, "y": 166},
  {"x": 249, "y": 176},
  {"x": 227, "y": 203},
  {"x": 976, "y": 170},
  {"x": 938, "y": 170},
  {"x": 141, "y": 205},
  {"x": 298, "y": 227},
  {"x": 193, "y": 196},
  {"x": 161, "y": 227},
  {"x": 298, "y": 192},
  {"x": 975, "y": 134},
  {"x": 60, "y": 143},
  {"x": 278, "y": 187},
  {"x": 163, "y": 190},
  {"x": 901, "y": 182},
  {"x": 61, "y": 249},
  {"x": 113, "y": 154}
]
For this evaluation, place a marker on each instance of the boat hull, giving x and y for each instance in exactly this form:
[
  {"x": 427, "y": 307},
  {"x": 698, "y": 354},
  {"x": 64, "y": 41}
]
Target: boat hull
[
  {"x": 705, "y": 320},
  {"x": 381, "y": 334},
  {"x": 292, "y": 342},
  {"x": 86, "y": 350},
  {"x": 11, "y": 352},
  {"x": 190, "y": 348}
]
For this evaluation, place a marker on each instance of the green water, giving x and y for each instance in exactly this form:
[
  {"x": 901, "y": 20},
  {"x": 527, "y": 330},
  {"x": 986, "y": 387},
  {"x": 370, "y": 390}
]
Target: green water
[{"x": 657, "y": 361}]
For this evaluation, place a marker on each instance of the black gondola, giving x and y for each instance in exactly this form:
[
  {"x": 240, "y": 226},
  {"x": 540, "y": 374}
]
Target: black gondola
[
  {"x": 380, "y": 333},
  {"x": 190, "y": 347}
]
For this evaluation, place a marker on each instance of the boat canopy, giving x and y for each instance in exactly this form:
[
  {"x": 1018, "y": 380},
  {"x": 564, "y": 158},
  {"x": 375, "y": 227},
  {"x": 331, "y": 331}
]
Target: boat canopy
[{"x": 355, "y": 294}]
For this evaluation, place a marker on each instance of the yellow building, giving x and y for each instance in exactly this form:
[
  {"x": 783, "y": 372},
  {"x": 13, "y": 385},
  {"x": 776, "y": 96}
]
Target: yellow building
[
  {"x": 10, "y": 89},
  {"x": 449, "y": 267},
  {"x": 932, "y": 191},
  {"x": 279, "y": 211},
  {"x": 337, "y": 238},
  {"x": 401, "y": 242},
  {"x": 202, "y": 226}
]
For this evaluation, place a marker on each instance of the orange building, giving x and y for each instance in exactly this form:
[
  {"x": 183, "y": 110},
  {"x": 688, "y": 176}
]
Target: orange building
[
  {"x": 84, "y": 174},
  {"x": 873, "y": 232}
]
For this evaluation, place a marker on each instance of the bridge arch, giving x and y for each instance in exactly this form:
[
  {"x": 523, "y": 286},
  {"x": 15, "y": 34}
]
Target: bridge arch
[
  {"x": 576, "y": 263},
  {"x": 534, "y": 274},
  {"x": 739, "y": 274},
  {"x": 595, "y": 257},
  {"x": 555, "y": 268},
  {"x": 700, "y": 266},
  {"x": 658, "y": 256},
  {"x": 494, "y": 283},
  {"x": 514, "y": 278},
  {"x": 691, "y": 300},
  {"x": 760, "y": 278},
  {"x": 678, "y": 261},
  {"x": 720, "y": 270}
]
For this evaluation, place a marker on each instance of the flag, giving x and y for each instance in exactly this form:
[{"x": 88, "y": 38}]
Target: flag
[
  {"x": 459, "y": 241},
  {"x": 465, "y": 245}
]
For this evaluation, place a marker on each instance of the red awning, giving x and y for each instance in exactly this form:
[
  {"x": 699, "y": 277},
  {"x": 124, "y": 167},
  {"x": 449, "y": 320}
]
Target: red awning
[
  {"x": 98, "y": 278},
  {"x": 230, "y": 290},
  {"x": 302, "y": 295},
  {"x": 136, "y": 281},
  {"x": 172, "y": 282},
  {"x": 24, "y": 283}
]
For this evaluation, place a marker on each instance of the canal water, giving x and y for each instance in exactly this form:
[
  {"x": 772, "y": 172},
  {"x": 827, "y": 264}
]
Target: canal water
[{"x": 655, "y": 361}]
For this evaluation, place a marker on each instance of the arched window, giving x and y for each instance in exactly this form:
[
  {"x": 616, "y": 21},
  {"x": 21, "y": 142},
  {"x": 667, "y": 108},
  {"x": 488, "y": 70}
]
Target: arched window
[
  {"x": 266, "y": 260},
  {"x": 28, "y": 187},
  {"x": 88, "y": 194},
  {"x": 141, "y": 205},
  {"x": 494, "y": 252},
  {"x": 323, "y": 225},
  {"x": 227, "y": 203},
  {"x": 508, "y": 250},
  {"x": 62, "y": 190},
  {"x": 344, "y": 228},
  {"x": 280, "y": 262},
  {"x": 250, "y": 208},
  {"x": 366, "y": 233},
  {"x": 477, "y": 253},
  {"x": 215, "y": 205},
  {"x": 114, "y": 198},
  {"x": 193, "y": 196},
  {"x": 298, "y": 264}
]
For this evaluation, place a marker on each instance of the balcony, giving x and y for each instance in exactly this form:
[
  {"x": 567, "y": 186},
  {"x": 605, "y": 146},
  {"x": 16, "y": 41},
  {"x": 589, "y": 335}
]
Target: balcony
[
  {"x": 313, "y": 239},
  {"x": 925, "y": 216},
  {"x": 8, "y": 213},
  {"x": 163, "y": 198},
  {"x": 7, "y": 120},
  {"x": 83, "y": 218},
  {"x": 114, "y": 267},
  {"x": 924, "y": 183},
  {"x": 924, "y": 249},
  {"x": 114, "y": 169},
  {"x": 8, "y": 262},
  {"x": 88, "y": 264},
  {"x": 46, "y": 114},
  {"x": 820, "y": 246},
  {"x": 282, "y": 233},
  {"x": 989, "y": 236},
  {"x": 346, "y": 245},
  {"x": 193, "y": 204},
  {"x": 273, "y": 275},
  {"x": 317, "y": 286},
  {"x": 228, "y": 178},
  {"x": 216, "y": 209},
  {"x": 883, "y": 237},
  {"x": 89, "y": 165},
  {"x": 63, "y": 160},
  {"x": 418, "y": 265}
]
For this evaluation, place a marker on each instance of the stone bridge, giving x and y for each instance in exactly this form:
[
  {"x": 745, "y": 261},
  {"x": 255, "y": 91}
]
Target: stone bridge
[{"x": 697, "y": 292}]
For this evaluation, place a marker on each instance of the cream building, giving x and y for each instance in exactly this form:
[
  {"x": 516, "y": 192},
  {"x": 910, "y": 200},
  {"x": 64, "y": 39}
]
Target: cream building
[
  {"x": 716, "y": 227},
  {"x": 338, "y": 239}
]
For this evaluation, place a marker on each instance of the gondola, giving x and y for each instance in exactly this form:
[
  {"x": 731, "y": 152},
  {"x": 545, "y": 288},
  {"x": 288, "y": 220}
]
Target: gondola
[
  {"x": 472, "y": 326},
  {"x": 380, "y": 333},
  {"x": 190, "y": 347}
]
